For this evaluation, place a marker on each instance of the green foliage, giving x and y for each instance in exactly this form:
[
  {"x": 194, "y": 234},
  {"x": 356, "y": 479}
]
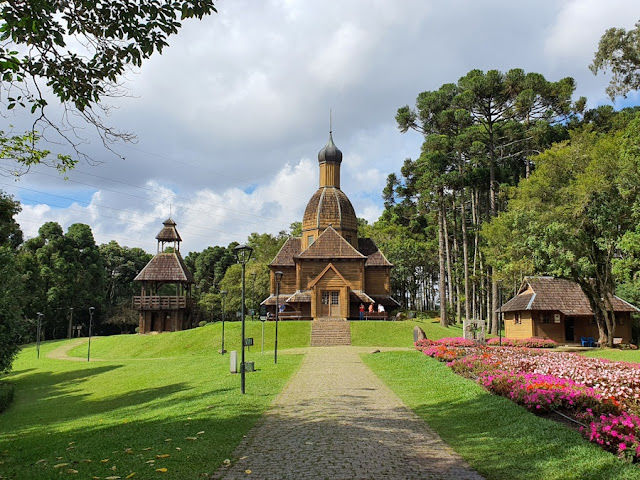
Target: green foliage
[
  {"x": 571, "y": 217},
  {"x": 10, "y": 233},
  {"x": 619, "y": 51},
  {"x": 6, "y": 395},
  {"x": 18, "y": 153},
  {"x": 79, "y": 49},
  {"x": 202, "y": 323},
  {"x": 496, "y": 437},
  {"x": 62, "y": 272},
  {"x": 11, "y": 290}
]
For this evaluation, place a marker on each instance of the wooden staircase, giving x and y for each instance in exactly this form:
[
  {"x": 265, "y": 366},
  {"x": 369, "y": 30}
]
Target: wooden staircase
[{"x": 329, "y": 332}]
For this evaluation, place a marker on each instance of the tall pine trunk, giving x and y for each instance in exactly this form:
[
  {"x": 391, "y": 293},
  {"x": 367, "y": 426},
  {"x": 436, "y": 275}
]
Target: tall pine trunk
[{"x": 441, "y": 254}]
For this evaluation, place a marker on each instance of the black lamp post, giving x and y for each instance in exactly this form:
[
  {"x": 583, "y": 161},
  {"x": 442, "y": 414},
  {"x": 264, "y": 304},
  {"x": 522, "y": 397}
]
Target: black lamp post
[
  {"x": 253, "y": 287},
  {"x": 39, "y": 332},
  {"x": 278, "y": 276},
  {"x": 223, "y": 293},
  {"x": 91, "y": 309},
  {"x": 243, "y": 255}
]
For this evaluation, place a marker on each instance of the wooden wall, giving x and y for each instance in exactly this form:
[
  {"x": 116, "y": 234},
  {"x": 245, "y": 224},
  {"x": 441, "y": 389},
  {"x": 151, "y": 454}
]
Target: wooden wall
[
  {"x": 378, "y": 280},
  {"x": 350, "y": 270},
  {"x": 288, "y": 282},
  {"x": 524, "y": 329}
]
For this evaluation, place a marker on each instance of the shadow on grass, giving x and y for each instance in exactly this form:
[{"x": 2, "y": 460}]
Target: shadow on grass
[{"x": 39, "y": 395}]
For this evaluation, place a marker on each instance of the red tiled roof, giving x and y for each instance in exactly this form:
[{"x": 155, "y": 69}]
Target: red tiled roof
[{"x": 557, "y": 294}]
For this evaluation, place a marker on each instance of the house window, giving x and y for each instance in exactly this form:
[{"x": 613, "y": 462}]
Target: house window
[
  {"x": 546, "y": 318},
  {"x": 517, "y": 319},
  {"x": 310, "y": 237},
  {"x": 348, "y": 238}
]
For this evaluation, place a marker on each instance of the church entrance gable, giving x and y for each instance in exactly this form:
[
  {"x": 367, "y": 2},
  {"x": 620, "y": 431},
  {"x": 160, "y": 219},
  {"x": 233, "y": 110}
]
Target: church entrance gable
[{"x": 330, "y": 294}]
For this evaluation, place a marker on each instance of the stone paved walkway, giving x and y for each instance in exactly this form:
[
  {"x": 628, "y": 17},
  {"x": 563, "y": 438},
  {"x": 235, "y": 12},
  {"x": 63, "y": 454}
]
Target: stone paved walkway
[{"x": 336, "y": 420}]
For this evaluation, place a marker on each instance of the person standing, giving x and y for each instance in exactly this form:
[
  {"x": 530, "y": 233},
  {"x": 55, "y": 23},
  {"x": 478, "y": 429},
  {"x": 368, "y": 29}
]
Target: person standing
[{"x": 361, "y": 311}]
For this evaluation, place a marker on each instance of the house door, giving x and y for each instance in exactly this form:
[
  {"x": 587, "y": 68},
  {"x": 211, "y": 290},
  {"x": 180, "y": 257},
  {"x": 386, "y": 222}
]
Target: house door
[
  {"x": 569, "y": 324},
  {"x": 330, "y": 304}
]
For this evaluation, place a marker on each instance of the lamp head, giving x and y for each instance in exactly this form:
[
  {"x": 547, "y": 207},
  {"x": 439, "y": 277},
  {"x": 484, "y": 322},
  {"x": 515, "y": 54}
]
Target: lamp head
[
  {"x": 278, "y": 276},
  {"x": 91, "y": 309},
  {"x": 223, "y": 293},
  {"x": 243, "y": 253}
]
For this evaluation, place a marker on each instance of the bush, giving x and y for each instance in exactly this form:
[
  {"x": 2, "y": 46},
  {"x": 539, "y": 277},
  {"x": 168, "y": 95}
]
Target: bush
[
  {"x": 6, "y": 395},
  {"x": 202, "y": 323},
  {"x": 137, "y": 330}
]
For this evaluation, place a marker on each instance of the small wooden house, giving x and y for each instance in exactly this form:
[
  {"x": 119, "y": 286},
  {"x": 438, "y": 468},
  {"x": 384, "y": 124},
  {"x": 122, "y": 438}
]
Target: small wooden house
[
  {"x": 329, "y": 271},
  {"x": 558, "y": 309},
  {"x": 164, "y": 304}
]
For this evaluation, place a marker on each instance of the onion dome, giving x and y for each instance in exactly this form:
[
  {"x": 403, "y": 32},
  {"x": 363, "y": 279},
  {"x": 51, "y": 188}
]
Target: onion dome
[
  {"x": 330, "y": 153},
  {"x": 329, "y": 206}
]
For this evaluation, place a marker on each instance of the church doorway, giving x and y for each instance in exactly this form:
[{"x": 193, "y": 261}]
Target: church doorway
[{"x": 330, "y": 303}]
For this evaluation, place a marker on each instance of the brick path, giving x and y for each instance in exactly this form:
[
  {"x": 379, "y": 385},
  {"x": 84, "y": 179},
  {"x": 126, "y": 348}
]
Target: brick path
[{"x": 336, "y": 420}]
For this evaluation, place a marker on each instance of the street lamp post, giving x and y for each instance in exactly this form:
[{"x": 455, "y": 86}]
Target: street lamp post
[
  {"x": 39, "y": 333},
  {"x": 278, "y": 276},
  {"x": 243, "y": 255},
  {"x": 91, "y": 309},
  {"x": 223, "y": 293},
  {"x": 70, "y": 331},
  {"x": 253, "y": 287}
]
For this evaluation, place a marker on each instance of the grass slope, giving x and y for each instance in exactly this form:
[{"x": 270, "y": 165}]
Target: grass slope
[
  {"x": 198, "y": 341},
  {"x": 398, "y": 334},
  {"x": 150, "y": 402},
  {"x": 498, "y": 438}
]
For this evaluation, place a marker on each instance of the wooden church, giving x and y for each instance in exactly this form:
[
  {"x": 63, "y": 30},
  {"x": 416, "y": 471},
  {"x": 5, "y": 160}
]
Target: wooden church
[
  {"x": 165, "y": 302},
  {"x": 329, "y": 271}
]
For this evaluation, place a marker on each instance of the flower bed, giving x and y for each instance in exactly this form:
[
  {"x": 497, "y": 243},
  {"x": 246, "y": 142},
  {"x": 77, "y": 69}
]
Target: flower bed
[
  {"x": 602, "y": 393},
  {"x": 523, "y": 342}
]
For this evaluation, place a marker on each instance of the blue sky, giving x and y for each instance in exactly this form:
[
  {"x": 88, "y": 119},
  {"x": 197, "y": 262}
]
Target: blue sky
[{"x": 229, "y": 120}]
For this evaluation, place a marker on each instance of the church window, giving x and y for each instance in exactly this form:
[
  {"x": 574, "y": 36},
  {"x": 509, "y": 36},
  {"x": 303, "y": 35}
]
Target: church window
[
  {"x": 348, "y": 238},
  {"x": 335, "y": 298},
  {"x": 325, "y": 298},
  {"x": 310, "y": 237}
]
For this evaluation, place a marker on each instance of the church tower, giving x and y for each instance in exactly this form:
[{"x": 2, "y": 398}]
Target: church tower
[
  {"x": 329, "y": 206},
  {"x": 328, "y": 271}
]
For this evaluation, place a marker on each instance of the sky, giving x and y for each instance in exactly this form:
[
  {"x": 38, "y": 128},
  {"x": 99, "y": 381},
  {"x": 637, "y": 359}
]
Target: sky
[{"x": 230, "y": 118}]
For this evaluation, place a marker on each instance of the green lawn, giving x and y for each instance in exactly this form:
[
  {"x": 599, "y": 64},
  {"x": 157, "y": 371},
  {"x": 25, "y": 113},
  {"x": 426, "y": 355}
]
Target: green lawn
[
  {"x": 198, "y": 341},
  {"x": 498, "y": 438},
  {"x": 615, "y": 354},
  {"x": 398, "y": 334},
  {"x": 143, "y": 403}
]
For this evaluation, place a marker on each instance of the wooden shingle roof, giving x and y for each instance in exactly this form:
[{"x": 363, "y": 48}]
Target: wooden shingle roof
[
  {"x": 331, "y": 245},
  {"x": 557, "y": 294},
  {"x": 290, "y": 249},
  {"x": 375, "y": 258},
  {"x": 169, "y": 233},
  {"x": 166, "y": 267}
]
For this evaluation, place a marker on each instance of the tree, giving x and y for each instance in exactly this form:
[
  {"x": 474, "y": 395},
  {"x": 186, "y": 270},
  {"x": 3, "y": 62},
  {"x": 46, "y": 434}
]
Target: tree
[
  {"x": 10, "y": 308},
  {"x": 619, "y": 50},
  {"x": 571, "y": 216},
  {"x": 78, "y": 50},
  {"x": 121, "y": 265},
  {"x": 10, "y": 233}
]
